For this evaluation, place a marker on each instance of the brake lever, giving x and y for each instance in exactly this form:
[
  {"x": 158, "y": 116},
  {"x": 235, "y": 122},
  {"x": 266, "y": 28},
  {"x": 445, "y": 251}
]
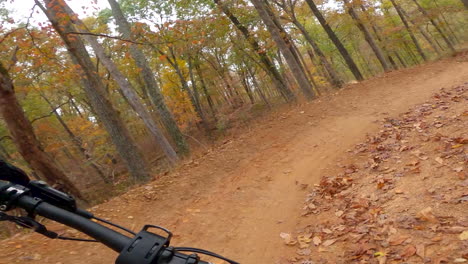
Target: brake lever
[{"x": 30, "y": 223}]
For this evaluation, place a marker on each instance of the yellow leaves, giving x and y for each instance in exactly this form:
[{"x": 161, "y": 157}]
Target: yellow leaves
[
  {"x": 288, "y": 239},
  {"x": 177, "y": 100},
  {"x": 304, "y": 240},
  {"x": 463, "y": 236}
]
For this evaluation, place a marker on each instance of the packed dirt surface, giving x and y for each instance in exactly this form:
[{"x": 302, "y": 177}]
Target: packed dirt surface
[{"x": 237, "y": 197}]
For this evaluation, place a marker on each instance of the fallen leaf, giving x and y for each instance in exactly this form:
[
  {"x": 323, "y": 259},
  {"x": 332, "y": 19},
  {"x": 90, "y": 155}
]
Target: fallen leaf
[
  {"x": 396, "y": 240},
  {"x": 339, "y": 213},
  {"x": 413, "y": 163},
  {"x": 439, "y": 260},
  {"x": 382, "y": 260},
  {"x": 416, "y": 170},
  {"x": 317, "y": 241},
  {"x": 464, "y": 235},
  {"x": 427, "y": 215},
  {"x": 304, "y": 252},
  {"x": 463, "y": 199},
  {"x": 421, "y": 250},
  {"x": 304, "y": 240},
  {"x": 322, "y": 249},
  {"x": 439, "y": 160},
  {"x": 329, "y": 242},
  {"x": 288, "y": 240},
  {"x": 409, "y": 251}
]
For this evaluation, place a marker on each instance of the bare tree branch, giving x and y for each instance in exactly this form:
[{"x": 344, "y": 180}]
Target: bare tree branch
[
  {"x": 51, "y": 112},
  {"x": 9, "y": 33},
  {"x": 106, "y": 36}
]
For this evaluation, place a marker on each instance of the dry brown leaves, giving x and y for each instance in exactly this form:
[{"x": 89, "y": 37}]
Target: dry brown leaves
[{"x": 387, "y": 208}]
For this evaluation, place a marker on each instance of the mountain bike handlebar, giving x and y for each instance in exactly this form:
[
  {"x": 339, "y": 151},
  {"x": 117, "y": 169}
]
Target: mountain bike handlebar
[{"x": 145, "y": 248}]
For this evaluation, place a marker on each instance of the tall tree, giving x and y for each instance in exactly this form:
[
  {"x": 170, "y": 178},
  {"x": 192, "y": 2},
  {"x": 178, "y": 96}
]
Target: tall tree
[
  {"x": 95, "y": 90},
  {"x": 289, "y": 8},
  {"x": 75, "y": 139},
  {"x": 436, "y": 26},
  {"x": 284, "y": 44},
  {"x": 126, "y": 87},
  {"x": 367, "y": 35},
  {"x": 25, "y": 139},
  {"x": 408, "y": 28},
  {"x": 278, "y": 81},
  {"x": 336, "y": 41},
  {"x": 149, "y": 80}
]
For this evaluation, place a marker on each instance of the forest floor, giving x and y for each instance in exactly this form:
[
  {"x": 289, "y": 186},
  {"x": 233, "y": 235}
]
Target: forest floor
[{"x": 373, "y": 173}]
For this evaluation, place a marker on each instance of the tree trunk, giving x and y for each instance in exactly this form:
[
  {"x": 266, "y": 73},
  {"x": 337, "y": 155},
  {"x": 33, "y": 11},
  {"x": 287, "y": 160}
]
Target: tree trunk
[
  {"x": 23, "y": 136},
  {"x": 243, "y": 78},
  {"x": 334, "y": 38},
  {"x": 444, "y": 37},
  {"x": 258, "y": 89},
  {"x": 400, "y": 59},
  {"x": 377, "y": 34},
  {"x": 196, "y": 95},
  {"x": 367, "y": 35},
  {"x": 334, "y": 77},
  {"x": 205, "y": 89},
  {"x": 126, "y": 88},
  {"x": 75, "y": 140},
  {"x": 95, "y": 91},
  {"x": 270, "y": 68},
  {"x": 284, "y": 45},
  {"x": 429, "y": 40},
  {"x": 150, "y": 82},
  {"x": 307, "y": 72},
  {"x": 408, "y": 28}
]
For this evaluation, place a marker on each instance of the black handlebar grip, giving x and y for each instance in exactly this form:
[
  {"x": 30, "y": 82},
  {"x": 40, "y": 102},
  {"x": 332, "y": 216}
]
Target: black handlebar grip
[{"x": 107, "y": 236}]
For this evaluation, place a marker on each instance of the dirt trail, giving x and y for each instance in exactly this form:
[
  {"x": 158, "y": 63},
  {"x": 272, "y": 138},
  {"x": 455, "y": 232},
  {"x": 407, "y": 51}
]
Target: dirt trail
[{"x": 240, "y": 195}]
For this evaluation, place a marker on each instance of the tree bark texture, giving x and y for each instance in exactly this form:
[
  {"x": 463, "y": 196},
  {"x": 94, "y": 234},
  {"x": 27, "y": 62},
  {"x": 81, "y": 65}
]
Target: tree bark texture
[
  {"x": 283, "y": 45},
  {"x": 436, "y": 26},
  {"x": 270, "y": 68},
  {"x": 95, "y": 91},
  {"x": 367, "y": 35},
  {"x": 334, "y": 38},
  {"x": 408, "y": 28},
  {"x": 334, "y": 77},
  {"x": 127, "y": 89},
  {"x": 23, "y": 136},
  {"x": 150, "y": 82}
]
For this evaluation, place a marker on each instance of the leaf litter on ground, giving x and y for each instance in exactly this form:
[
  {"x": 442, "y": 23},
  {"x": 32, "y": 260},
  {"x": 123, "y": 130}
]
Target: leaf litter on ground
[{"x": 402, "y": 198}]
